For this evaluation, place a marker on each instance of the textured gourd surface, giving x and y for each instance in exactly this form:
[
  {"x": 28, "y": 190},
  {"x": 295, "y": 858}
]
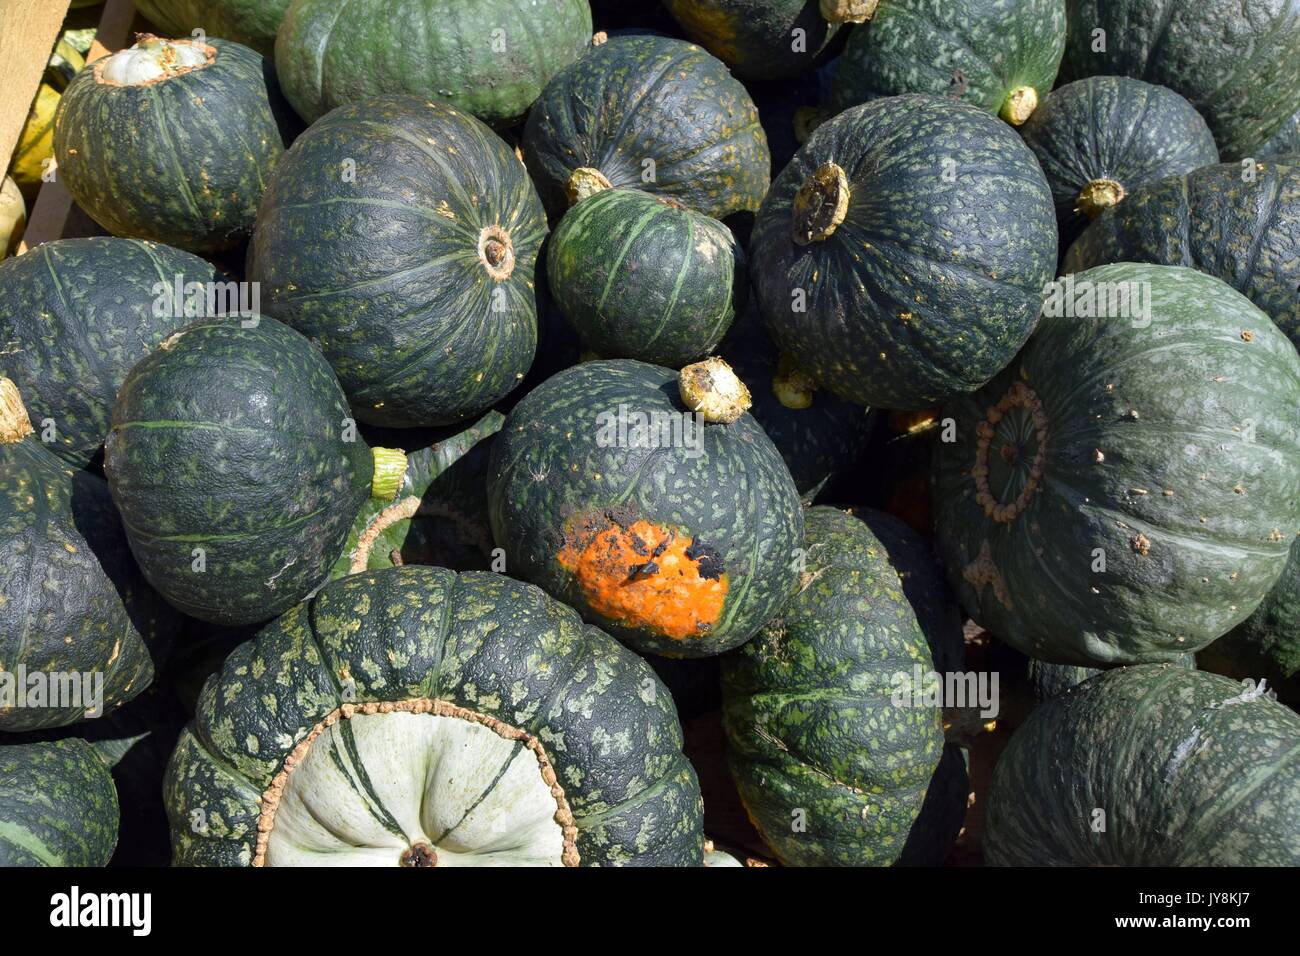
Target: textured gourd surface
[
  {"x": 75, "y": 315},
  {"x": 250, "y": 22},
  {"x": 808, "y": 710},
  {"x": 1285, "y": 140},
  {"x": 1238, "y": 63},
  {"x": 934, "y": 279},
  {"x": 58, "y": 806},
  {"x": 639, "y": 278},
  {"x": 679, "y": 543},
  {"x": 370, "y": 241},
  {"x": 233, "y": 441},
  {"x": 1153, "y": 765},
  {"x": 1126, "y": 491},
  {"x": 490, "y": 58},
  {"x": 163, "y": 161},
  {"x": 650, "y": 113},
  {"x": 1051, "y": 680},
  {"x": 756, "y": 38},
  {"x": 477, "y": 640},
  {"x": 1267, "y": 644},
  {"x": 977, "y": 51},
  {"x": 1113, "y": 128},
  {"x": 1215, "y": 219}
]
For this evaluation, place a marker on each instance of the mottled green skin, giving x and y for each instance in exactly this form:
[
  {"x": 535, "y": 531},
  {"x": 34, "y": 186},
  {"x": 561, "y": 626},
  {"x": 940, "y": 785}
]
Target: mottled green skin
[
  {"x": 943, "y": 812},
  {"x": 977, "y": 51},
  {"x": 639, "y": 98},
  {"x": 1052, "y": 680},
  {"x": 808, "y": 711},
  {"x": 737, "y": 497},
  {"x": 451, "y": 528},
  {"x": 1285, "y": 140},
  {"x": 1116, "y": 128},
  {"x": 756, "y": 38},
  {"x": 75, "y": 315},
  {"x": 929, "y": 287},
  {"x": 490, "y": 58},
  {"x": 234, "y": 440},
  {"x": 71, "y": 598},
  {"x": 1245, "y": 233},
  {"x": 1188, "y": 770},
  {"x": 639, "y": 278},
  {"x": 250, "y": 22},
  {"x": 477, "y": 640},
  {"x": 163, "y": 161},
  {"x": 383, "y": 269},
  {"x": 1168, "y": 407},
  {"x": 1267, "y": 644},
  {"x": 1238, "y": 63},
  {"x": 57, "y": 805}
]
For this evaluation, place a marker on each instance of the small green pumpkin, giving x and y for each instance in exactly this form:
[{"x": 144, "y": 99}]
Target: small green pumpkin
[
  {"x": 1267, "y": 644},
  {"x": 58, "y": 806},
  {"x": 416, "y": 717},
  {"x": 145, "y": 142},
  {"x": 641, "y": 276},
  {"x": 250, "y": 22}
]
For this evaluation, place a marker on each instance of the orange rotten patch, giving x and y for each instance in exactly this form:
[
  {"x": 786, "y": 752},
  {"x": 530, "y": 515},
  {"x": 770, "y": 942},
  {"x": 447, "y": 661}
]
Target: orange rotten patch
[{"x": 643, "y": 575}]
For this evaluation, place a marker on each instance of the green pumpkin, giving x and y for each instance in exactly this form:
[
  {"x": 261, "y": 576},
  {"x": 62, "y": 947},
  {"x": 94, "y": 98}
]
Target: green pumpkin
[
  {"x": 416, "y": 717},
  {"x": 78, "y": 627},
  {"x": 651, "y": 113},
  {"x": 1101, "y": 138},
  {"x": 810, "y": 712},
  {"x": 237, "y": 469},
  {"x": 1238, "y": 225},
  {"x": 250, "y": 22},
  {"x": 1052, "y": 680},
  {"x": 1267, "y": 644},
  {"x": 1237, "y": 63},
  {"x": 145, "y": 143},
  {"x": 641, "y": 276},
  {"x": 674, "y": 531},
  {"x": 57, "y": 805},
  {"x": 876, "y": 272},
  {"x": 942, "y": 814},
  {"x": 1127, "y": 490},
  {"x": 402, "y": 235},
  {"x": 490, "y": 58},
  {"x": 760, "y": 39},
  {"x": 998, "y": 55},
  {"x": 1152, "y": 765},
  {"x": 1285, "y": 141}
]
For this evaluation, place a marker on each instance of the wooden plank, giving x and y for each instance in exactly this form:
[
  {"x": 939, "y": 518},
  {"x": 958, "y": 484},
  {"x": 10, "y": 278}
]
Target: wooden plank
[{"x": 28, "y": 29}]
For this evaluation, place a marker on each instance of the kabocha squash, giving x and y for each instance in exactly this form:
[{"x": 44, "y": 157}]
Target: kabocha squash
[
  {"x": 421, "y": 718},
  {"x": 1052, "y": 680},
  {"x": 1237, "y": 224},
  {"x": 663, "y": 523},
  {"x": 237, "y": 469},
  {"x": 78, "y": 626},
  {"x": 1127, "y": 490},
  {"x": 490, "y": 58},
  {"x": 943, "y": 811},
  {"x": 1152, "y": 765},
  {"x": 831, "y": 767},
  {"x": 651, "y": 113},
  {"x": 1238, "y": 63},
  {"x": 1285, "y": 141},
  {"x": 765, "y": 39},
  {"x": 250, "y": 22},
  {"x": 1100, "y": 138},
  {"x": 145, "y": 143},
  {"x": 402, "y": 235},
  {"x": 58, "y": 806},
  {"x": 641, "y": 276},
  {"x": 1266, "y": 645},
  {"x": 877, "y": 271},
  {"x": 75, "y": 315}
]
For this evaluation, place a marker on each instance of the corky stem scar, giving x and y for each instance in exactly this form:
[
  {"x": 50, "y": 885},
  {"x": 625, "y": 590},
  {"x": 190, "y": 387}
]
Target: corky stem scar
[{"x": 1019, "y": 395}]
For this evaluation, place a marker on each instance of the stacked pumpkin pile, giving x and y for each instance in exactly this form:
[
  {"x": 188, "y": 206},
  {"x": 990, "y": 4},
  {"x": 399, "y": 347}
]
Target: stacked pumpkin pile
[{"x": 458, "y": 398}]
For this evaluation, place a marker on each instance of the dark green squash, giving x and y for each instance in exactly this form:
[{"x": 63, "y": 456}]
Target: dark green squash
[
  {"x": 761, "y": 39},
  {"x": 832, "y": 767},
  {"x": 237, "y": 469},
  {"x": 250, "y": 22},
  {"x": 942, "y": 814},
  {"x": 415, "y": 717},
  {"x": 145, "y": 141},
  {"x": 1052, "y": 680},
  {"x": 651, "y": 113},
  {"x": 1127, "y": 490},
  {"x": 676, "y": 538},
  {"x": 1266, "y": 645},
  {"x": 79, "y": 629},
  {"x": 641, "y": 276},
  {"x": 1152, "y": 765},
  {"x": 1285, "y": 141},
  {"x": 75, "y": 315},
  {"x": 1103, "y": 137},
  {"x": 490, "y": 58},
  {"x": 1239, "y": 225},
  {"x": 876, "y": 271},
  {"x": 999, "y": 55},
  {"x": 402, "y": 236},
  {"x": 57, "y": 805},
  {"x": 1237, "y": 63}
]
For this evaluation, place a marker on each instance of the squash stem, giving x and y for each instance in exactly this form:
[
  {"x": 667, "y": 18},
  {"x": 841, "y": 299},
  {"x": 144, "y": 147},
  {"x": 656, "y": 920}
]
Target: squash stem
[
  {"x": 15, "y": 425},
  {"x": 848, "y": 11},
  {"x": 390, "y": 469},
  {"x": 1019, "y": 105},
  {"x": 820, "y": 205},
  {"x": 713, "y": 389},
  {"x": 792, "y": 386},
  {"x": 585, "y": 182},
  {"x": 1098, "y": 196}
]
